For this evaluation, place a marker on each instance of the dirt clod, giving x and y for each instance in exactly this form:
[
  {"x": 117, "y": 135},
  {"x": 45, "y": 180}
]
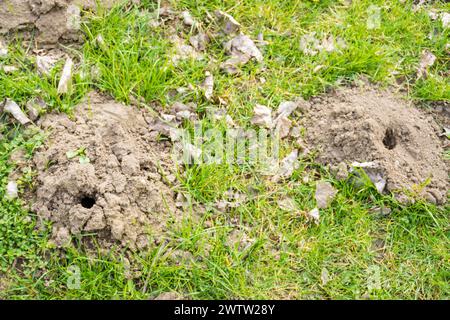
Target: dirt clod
[
  {"x": 118, "y": 192},
  {"x": 51, "y": 20},
  {"x": 368, "y": 125}
]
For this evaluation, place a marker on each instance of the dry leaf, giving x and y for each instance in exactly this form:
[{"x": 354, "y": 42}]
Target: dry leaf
[
  {"x": 314, "y": 214},
  {"x": 427, "y": 60},
  {"x": 241, "y": 49},
  {"x": 3, "y": 50},
  {"x": 287, "y": 204},
  {"x": 188, "y": 20},
  {"x": 10, "y": 69},
  {"x": 208, "y": 85},
  {"x": 324, "y": 276},
  {"x": 286, "y": 108},
  {"x": 287, "y": 166},
  {"x": 445, "y": 18},
  {"x": 262, "y": 116},
  {"x": 45, "y": 64},
  {"x": 183, "y": 51},
  {"x": 66, "y": 77},
  {"x": 283, "y": 126},
  {"x": 373, "y": 171},
  {"x": 231, "y": 25},
  {"x": 11, "y": 190},
  {"x": 12, "y": 108},
  {"x": 199, "y": 41},
  {"x": 325, "y": 194}
]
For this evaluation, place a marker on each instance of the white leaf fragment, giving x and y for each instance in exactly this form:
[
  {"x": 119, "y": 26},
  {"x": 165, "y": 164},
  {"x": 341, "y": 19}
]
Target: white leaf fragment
[
  {"x": 230, "y": 24},
  {"x": 445, "y": 18},
  {"x": 427, "y": 60},
  {"x": 287, "y": 204},
  {"x": 188, "y": 20},
  {"x": 199, "y": 41},
  {"x": 287, "y": 166},
  {"x": 66, "y": 77},
  {"x": 324, "y": 276},
  {"x": 13, "y": 108},
  {"x": 10, "y": 69},
  {"x": 208, "y": 85},
  {"x": 11, "y": 190},
  {"x": 3, "y": 50},
  {"x": 324, "y": 194},
  {"x": 373, "y": 171},
  {"x": 283, "y": 126},
  {"x": 314, "y": 214},
  {"x": 241, "y": 49},
  {"x": 262, "y": 116},
  {"x": 45, "y": 64}
]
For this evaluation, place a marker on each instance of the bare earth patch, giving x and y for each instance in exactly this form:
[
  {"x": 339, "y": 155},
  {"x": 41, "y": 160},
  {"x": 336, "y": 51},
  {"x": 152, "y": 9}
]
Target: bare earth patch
[
  {"x": 50, "y": 20},
  {"x": 103, "y": 172},
  {"x": 368, "y": 125}
]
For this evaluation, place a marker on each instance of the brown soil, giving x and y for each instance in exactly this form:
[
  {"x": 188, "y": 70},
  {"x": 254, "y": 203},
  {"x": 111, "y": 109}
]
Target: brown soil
[
  {"x": 365, "y": 124},
  {"x": 122, "y": 193},
  {"x": 49, "y": 20}
]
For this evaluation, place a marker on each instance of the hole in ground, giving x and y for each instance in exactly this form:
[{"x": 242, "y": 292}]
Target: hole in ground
[
  {"x": 87, "y": 201},
  {"x": 389, "y": 139}
]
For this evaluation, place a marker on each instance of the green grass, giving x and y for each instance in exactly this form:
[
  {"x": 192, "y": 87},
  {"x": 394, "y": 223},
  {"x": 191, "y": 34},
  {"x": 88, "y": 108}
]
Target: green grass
[{"x": 256, "y": 250}]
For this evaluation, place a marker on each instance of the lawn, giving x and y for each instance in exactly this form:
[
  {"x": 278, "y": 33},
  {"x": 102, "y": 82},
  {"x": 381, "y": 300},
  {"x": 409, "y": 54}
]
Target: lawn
[{"x": 256, "y": 250}]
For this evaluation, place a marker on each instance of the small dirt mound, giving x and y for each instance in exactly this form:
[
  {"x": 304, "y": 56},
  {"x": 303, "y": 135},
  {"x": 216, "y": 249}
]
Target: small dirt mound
[
  {"x": 367, "y": 125},
  {"x": 104, "y": 173},
  {"x": 51, "y": 21}
]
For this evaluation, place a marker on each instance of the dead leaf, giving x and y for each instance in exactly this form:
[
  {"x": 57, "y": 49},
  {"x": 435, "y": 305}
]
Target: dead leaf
[
  {"x": 45, "y": 64},
  {"x": 427, "y": 60},
  {"x": 242, "y": 49},
  {"x": 325, "y": 194},
  {"x": 445, "y": 18},
  {"x": 66, "y": 77},
  {"x": 373, "y": 171},
  {"x": 287, "y": 166},
  {"x": 10, "y": 69},
  {"x": 3, "y": 50},
  {"x": 262, "y": 116},
  {"x": 286, "y": 108},
  {"x": 283, "y": 126},
  {"x": 287, "y": 204},
  {"x": 231, "y": 25},
  {"x": 34, "y": 106},
  {"x": 11, "y": 190},
  {"x": 324, "y": 276},
  {"x": 13, "y": 108},
  {"x": 183, "y": 51},
  {"x": 188, "y": 20},
  {"x": 314, "y": 214},
  {"x": 208, "y": 85},
  {"x": 199, "y": 41}
]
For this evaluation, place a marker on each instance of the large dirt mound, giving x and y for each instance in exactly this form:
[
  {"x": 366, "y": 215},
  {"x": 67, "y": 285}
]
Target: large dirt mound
[
  {"x": 103, "y": 172},
  {"x": 368, "y": 125},
  {"x": 50, "y": 20}
]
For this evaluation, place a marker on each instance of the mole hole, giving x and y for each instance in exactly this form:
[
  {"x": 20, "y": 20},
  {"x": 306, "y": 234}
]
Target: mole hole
[
  {"x": 87, "y": 202},
  {"x": 389, "y": 139}
]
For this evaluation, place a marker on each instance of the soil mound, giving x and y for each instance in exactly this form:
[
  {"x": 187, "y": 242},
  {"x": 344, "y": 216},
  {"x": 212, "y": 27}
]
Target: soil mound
[
  {"x": 50, "y": 20},
  {"x": 103, "y": 172},
  {"x": 367, "y": 125}
]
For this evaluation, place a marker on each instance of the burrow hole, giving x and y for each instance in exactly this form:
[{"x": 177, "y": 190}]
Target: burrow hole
[
  {"x": 389, "y": 140},
  {"x": 87, "y": 201}
]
